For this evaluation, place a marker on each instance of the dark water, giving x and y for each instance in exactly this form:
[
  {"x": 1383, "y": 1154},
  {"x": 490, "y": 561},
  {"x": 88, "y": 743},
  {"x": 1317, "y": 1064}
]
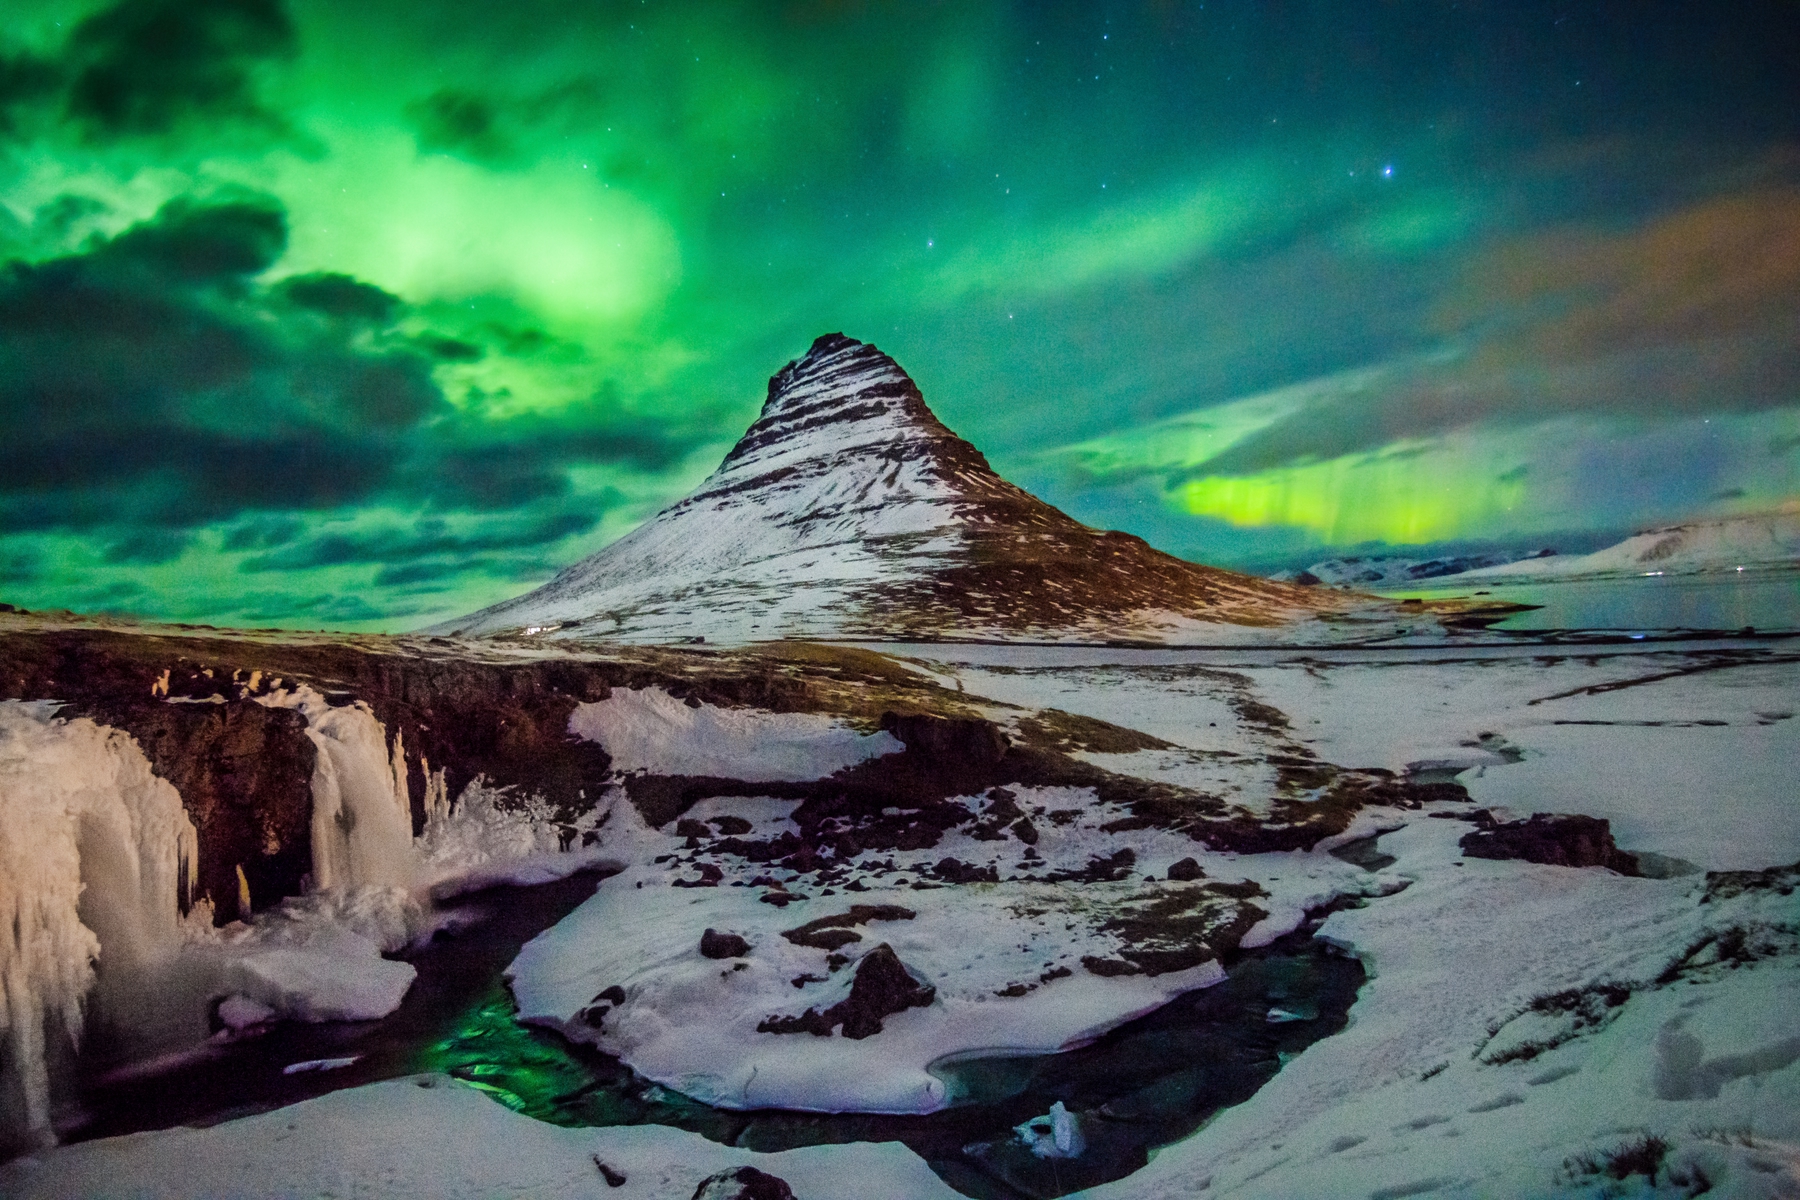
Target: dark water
[
  {"x": 1768, "y": 601},
  {"x": 1143, "y": 1085}
]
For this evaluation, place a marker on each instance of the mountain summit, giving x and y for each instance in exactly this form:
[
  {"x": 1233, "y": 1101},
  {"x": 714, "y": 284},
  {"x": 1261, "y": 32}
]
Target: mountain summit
[{"x": 849, "y": 510}]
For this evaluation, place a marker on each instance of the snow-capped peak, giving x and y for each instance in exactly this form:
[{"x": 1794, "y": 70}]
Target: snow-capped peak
[{"x": 849, "y": 509}]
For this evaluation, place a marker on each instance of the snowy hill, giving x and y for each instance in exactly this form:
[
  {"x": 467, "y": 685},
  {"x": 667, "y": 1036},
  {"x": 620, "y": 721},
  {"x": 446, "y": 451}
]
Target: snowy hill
[
  {"x": 848, "y": 509},
  {"x": 1373, "y": 571},
  {"x": 1759, "y": 542}
]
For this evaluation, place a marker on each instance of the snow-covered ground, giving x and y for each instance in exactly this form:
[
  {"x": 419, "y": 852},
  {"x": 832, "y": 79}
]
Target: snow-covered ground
[
  {"x": 1527, "y": 1030},
  {"x": 433, "y": 1138}
]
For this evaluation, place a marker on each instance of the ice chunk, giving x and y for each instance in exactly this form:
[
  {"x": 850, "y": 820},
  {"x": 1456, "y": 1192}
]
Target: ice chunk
[{"x": 1055, "y": 1135}]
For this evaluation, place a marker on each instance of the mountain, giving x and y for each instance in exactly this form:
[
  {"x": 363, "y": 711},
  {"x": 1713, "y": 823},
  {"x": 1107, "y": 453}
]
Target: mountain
[
  {"x": 1369, "y": 571},
  {"x": 1760, "y": 541},
  {"x": 849, "y": 510}
]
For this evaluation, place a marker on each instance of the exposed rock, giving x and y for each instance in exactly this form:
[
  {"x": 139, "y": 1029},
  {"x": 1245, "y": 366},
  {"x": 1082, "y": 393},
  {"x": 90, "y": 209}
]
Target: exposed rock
[
  {"x": 1722, "y": 885},
  {"x": 954, "y": 870},
  {"x": 882, "y": 987},
  {"x": 826, "y": 933},
  {"x": 714, "y": 944},
  {"x": 614, "y": 1178},
  {"x": 743, "y": 1183},
  {"x": 1553, "y": 838},
  {"x": 1185, "y": 871}
]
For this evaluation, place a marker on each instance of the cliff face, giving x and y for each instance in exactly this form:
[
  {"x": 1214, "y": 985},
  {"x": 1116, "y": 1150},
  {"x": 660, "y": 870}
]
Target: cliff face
[
  {"x": 849, "y": 510},
  {"x": 460, "y": 711}
]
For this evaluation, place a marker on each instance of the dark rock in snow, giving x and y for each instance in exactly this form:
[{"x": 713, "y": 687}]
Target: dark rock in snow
[
  {"x": 1185, "y": 871},
  {"x": 882, "y": 987},
  {"x": 954, "y": 870},
  {"x": 1553, "y": 838},
  {"x": 614, "y": 1178},
  {"x": 743, "y": 1183},
  {"x": 714, "y": 944}
]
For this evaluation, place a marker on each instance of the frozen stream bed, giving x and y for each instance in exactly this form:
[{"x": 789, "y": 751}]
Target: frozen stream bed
[{"x": 1525, "y": 1029}]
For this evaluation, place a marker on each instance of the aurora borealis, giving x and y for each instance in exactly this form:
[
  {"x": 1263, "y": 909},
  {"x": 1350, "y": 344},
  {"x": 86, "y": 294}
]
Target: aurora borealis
[{"x": 356, "y": 315}]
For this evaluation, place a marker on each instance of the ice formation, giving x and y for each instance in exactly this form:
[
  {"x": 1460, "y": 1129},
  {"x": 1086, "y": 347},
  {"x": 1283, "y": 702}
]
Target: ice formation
[
  {"x": 96, "y": 859},
  {"x": 361, "y": 819}
]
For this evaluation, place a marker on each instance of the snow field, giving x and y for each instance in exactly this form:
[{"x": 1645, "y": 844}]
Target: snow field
[
  {"x": 432, "y": 1138},
  {"x": 1418, "y": 1096},
  {"x": 690, "y": 1022}
]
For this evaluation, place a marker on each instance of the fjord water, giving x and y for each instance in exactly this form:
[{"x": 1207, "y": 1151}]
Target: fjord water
[{"x": 1767, "y": 601}]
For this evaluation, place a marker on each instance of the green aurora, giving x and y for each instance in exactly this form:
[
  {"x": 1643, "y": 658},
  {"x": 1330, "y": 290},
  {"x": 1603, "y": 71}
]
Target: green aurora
[{"x": 322, "y": 314}]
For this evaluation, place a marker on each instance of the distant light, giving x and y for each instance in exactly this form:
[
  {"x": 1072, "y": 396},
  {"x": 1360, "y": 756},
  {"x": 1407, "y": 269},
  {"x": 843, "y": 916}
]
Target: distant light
[{"x": 1387, "y": 172}]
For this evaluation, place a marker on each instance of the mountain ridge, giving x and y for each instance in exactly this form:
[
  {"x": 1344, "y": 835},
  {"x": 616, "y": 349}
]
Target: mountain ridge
[{"x": 848, "y": 509}]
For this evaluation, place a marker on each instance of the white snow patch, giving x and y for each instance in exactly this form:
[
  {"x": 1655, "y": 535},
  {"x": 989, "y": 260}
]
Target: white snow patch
[
  {"x": 649, "y": 730},
  {"x": 432, "y": 1138}
]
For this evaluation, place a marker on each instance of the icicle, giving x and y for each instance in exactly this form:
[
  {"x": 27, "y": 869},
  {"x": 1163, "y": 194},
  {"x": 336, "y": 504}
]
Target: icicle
[
  {"x": 94, "y": 849},
  {"x": 402, "y": 795},
  {"x": 437, "y": 794}
]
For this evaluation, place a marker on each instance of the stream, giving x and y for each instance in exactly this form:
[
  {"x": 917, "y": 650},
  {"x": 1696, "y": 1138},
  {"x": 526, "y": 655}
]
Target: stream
[{"x": 1145, "y": 1084}]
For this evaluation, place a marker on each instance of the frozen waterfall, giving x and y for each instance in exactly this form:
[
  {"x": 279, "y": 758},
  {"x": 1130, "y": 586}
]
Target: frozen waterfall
[
  {"x": 362, "y": 817},
  {"x": 97, "y": 857}
]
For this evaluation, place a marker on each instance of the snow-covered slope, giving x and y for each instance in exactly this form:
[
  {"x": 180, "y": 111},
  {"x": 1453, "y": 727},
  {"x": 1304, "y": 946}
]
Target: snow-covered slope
[
  {"x": 1758, "y": 542},
  {"x": 1378, "y": 570},
  {"x": 848, "y": 509}
]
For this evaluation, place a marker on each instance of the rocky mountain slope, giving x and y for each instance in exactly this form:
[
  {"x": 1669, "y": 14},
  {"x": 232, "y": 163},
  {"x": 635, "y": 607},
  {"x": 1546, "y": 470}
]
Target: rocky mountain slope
[{"x": 849, "y": 510}]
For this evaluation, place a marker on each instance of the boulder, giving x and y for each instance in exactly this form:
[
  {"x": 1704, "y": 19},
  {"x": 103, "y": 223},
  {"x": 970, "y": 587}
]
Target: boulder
[
  {"x": 743, "y": 1183},
  {"x": 714, "y": 944},
  {"x": 1557, "y": 839}
]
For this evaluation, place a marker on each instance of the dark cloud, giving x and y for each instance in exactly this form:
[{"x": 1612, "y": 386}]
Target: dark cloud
[
  {"x": 150, "y": 367},
  {"x": 25, "y": 79},
  {"x": 263, "y": 532},
  {"x": 147, "y": 547},
  {"x": 1695, "y": 312},
  {"x": 448, "y": 349},
  {"x": 211, "y": 240},
  {"x": 450, "y": 121},
  {"x": 151, "y": 66},
  {"x": 342, "y": 296},
  {"x": 153, "y": 374},
  {"x": 428, "y": 538}
]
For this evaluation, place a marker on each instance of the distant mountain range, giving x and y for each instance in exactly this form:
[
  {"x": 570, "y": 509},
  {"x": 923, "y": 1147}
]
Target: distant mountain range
[
  {"x": 1759, "y": 542},
  {"x": 849, "y": 510},
  {"x": 1387, "y": 571}
]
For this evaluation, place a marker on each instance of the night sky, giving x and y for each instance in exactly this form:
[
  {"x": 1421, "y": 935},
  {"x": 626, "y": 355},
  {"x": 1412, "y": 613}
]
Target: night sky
[{"x": 360, "y": 314}]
